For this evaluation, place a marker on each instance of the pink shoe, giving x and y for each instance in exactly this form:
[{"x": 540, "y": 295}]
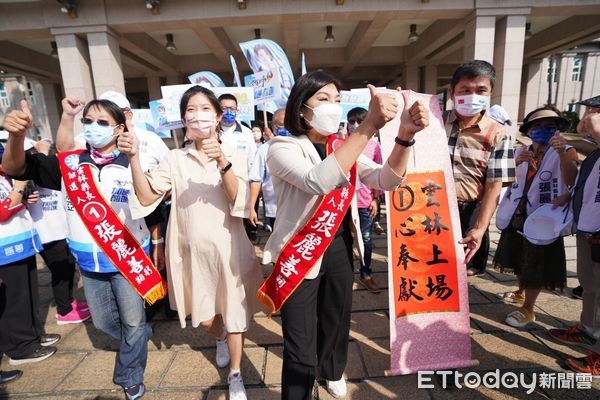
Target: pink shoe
[
  {"x": 77, "y": 305},
  {"x": 74, "y": 317}
]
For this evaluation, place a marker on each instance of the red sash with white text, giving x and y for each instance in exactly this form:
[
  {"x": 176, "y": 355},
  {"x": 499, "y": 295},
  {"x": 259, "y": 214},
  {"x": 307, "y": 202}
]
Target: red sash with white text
[
  {"x": 107, "y": 230},
  {"x": 307, "y": 246}
]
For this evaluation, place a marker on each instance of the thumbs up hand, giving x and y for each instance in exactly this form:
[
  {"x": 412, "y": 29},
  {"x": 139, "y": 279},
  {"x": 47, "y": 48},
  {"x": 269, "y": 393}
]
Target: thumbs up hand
[
  {"x": 17, "y": 122},
  {"x": 383, "y": 107},
  {"x": 414, "y": 118},
  {"x": 558, "y": 143},
  {"x": 127, "y": 142}
]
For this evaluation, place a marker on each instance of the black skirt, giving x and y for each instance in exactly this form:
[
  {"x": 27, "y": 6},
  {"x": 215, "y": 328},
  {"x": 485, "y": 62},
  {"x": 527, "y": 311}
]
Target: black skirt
[{"x": 537, "y": 266}]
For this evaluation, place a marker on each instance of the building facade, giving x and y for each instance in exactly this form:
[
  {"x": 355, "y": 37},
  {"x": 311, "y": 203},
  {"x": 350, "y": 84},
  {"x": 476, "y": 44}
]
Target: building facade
[{"x": 82, "y": 48}]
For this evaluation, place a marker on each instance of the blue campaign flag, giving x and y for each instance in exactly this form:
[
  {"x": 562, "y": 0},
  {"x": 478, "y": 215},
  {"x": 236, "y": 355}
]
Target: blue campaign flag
[
  {"x": 266, "y": 55},
  {"x": 207, "y": 79},
  {"x": 236, "y": 74},
  {"x": 303, "y": 64}
]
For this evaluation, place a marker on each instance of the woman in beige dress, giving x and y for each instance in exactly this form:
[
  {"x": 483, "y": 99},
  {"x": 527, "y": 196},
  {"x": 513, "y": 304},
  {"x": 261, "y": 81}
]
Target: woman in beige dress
[{"x": 212, "y": 267}]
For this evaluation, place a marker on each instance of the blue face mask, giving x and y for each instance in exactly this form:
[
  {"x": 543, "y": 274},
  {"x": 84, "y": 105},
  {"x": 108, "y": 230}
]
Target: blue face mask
[
  {"x": 229, "y": 117},
  {"x": 282, "y": 132},
  {"x": 542, "y": 135},
  {"x": 97, "y": 136}
]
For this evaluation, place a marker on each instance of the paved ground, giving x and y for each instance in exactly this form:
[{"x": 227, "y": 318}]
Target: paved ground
[{"x": 181, "y": 361}]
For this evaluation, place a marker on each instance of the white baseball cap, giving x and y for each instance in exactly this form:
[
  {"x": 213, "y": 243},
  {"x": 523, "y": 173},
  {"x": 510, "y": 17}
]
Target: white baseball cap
[
  {"x": 499, "y": 114},
  {"x": 116, "y": 97},
  {"x": 546, "y": 224}
]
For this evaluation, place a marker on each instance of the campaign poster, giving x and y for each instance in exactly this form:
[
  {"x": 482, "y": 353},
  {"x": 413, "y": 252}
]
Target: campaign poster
[
  {"x": 172, "y": 97},
  {"x": 143, "y": 118},
  {"x": 265, "y": 86}
]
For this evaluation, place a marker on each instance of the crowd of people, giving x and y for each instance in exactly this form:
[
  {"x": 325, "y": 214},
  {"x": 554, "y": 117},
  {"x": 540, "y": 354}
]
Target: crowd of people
[{"x": 140, "y": 221}]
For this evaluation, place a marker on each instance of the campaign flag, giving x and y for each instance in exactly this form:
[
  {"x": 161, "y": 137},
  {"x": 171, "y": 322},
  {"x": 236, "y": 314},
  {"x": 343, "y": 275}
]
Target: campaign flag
[
  {"x": 303, "y": 64},
  {"x": 143, "y": 119},
  {"x": 266, "y": 55},
  {"x": 265, "y": 85},
  {"x": 428, "y": 295},
  {"x": 236, "y": 73},
  {"x": 172, "y": 97},
  {"x": 206, "y": 79}
]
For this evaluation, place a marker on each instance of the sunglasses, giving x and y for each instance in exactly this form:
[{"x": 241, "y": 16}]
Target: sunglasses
[{"x": 89, "y": 121}]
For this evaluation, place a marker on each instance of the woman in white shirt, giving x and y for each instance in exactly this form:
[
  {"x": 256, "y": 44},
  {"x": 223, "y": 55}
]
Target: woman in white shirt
[{"x": 311, "y": 244}]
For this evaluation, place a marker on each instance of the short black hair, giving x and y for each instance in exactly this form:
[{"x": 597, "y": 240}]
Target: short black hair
[
  {"x": 110, "y": 107},
  {"x": 358, "y": 113},
  {"x": 227, "y": 96},
  {"x": 474, "y": 69},
  {"x": 304, "y": 88},
  {"x": 194, "y": 90}
]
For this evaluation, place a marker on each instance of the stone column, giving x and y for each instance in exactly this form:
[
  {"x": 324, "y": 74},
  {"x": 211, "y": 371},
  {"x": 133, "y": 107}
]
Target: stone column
[
  {"x": 105, "y": 58},
  {"x": 508, "y": 60},
  {"x": 411, "y": 77},
  {"x": 174, "y": 79},
  {"x": 153, "y": 87},
  {"x": 431, "y": 79},
  {"x": 535, "y": 88},
  {"x": 75, "y": 69},
  {"x": 51, "y": 93},
  {"x": 479, "y": 38}
]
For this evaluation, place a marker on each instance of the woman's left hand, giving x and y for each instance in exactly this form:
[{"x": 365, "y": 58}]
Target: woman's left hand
[{"x": 413, "y": 119}]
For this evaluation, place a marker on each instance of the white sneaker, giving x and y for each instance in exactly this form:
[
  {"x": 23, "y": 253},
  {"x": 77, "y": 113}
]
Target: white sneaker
[
  {"x": 222, "y": 353},
  {"x": 237, "y": 391},
  {"x": 337, "y": 388}
]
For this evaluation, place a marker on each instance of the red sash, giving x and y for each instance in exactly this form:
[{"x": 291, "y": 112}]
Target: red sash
[
  {"x": 107, "y": 230},
  {"x": 307, "y": 246}
]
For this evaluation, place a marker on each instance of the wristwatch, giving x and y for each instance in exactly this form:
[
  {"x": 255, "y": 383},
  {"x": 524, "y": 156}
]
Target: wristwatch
[
  {"x": 225, "y": 168},
  {"x": 405, "y": 143}
]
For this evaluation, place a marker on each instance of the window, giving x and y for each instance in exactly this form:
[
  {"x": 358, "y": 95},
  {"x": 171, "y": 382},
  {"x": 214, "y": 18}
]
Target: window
[
  {"x": 576, "y": 71},
  {"x": 30, "y": 94},
  {"x": 4, "y": 101}
]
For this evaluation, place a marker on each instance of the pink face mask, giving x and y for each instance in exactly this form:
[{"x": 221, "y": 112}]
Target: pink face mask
[{"x": 200, "y": 124}]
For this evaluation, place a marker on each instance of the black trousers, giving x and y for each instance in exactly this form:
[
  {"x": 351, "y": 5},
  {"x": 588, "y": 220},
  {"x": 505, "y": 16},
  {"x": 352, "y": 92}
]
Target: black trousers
[
  {"x": 468, "y": 215},
  {"x": 316, "y": 324},
  {"x": 61, "y": 263},
  {"x": 20, "y": 327}
]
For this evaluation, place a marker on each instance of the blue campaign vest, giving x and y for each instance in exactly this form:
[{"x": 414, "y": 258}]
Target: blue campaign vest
[
  {"x": 116, "y": 185},
  {"x": 19, "y": 239}
]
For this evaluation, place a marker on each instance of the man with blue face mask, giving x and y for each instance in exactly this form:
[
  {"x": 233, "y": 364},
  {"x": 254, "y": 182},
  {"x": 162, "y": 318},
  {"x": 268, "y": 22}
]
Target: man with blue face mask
[
  {"x": 482, "y": 157},
  {"x": 239, "y": 138},
  {"x": 260, "y": 177},
  {"x": 234, "y": 134}
]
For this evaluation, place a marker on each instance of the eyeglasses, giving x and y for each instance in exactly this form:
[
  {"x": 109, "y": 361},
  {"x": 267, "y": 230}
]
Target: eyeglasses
[
  {"x": 89, "y": 121},
  {"x": 229, "y": 109}
]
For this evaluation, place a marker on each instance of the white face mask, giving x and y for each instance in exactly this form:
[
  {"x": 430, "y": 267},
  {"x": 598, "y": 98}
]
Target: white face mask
[
  {"x": 471, "y": 104},
  {"x": 200, "y": 123},
  {"x": 326, "y": 118}
]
